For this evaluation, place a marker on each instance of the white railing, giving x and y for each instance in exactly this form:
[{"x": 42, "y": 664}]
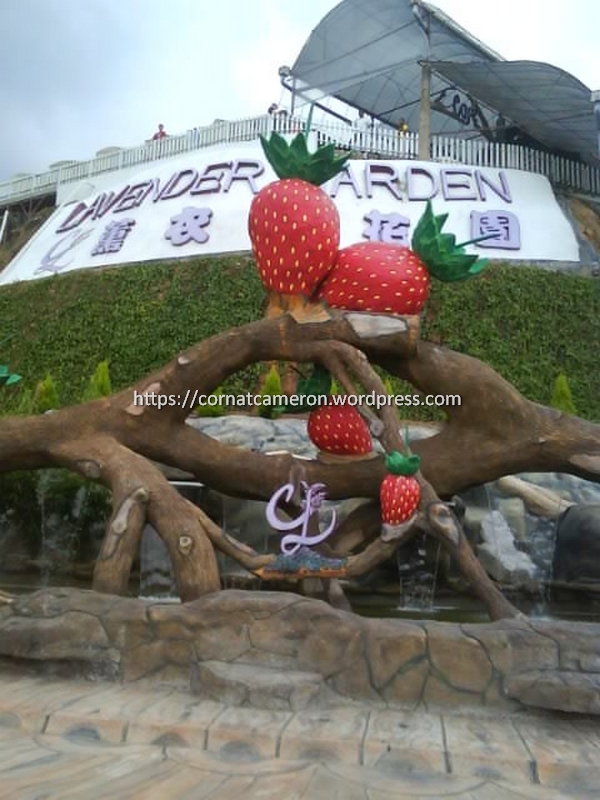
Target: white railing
[{"x": 379, "y": 141}]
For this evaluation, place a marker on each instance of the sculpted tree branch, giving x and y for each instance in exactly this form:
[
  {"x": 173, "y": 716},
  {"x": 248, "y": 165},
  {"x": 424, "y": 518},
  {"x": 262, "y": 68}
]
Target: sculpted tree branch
[
  {"x": 495, "y": 432},
  {"x": 140, "y": 494}
]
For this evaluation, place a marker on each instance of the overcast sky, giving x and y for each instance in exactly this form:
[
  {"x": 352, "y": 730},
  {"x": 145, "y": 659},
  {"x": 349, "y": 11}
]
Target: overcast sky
[{"x": 80, "y": 75}]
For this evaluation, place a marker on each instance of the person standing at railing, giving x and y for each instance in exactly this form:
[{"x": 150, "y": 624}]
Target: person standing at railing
[
  {"x": 362, "y": 126},
  {"x": 275, "y": 117},
  {"x": 160, "y": 133},
  {"x": 501, "y": 130},
  {"x": 282, "y": 121},
  {"x": 403, "y": 131}
]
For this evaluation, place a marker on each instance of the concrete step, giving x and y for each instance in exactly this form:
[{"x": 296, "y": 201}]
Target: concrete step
[{"x": 261, "y": 686}]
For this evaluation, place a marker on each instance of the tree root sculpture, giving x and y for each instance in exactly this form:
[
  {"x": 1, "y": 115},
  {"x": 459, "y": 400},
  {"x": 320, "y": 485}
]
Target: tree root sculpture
[{"x": 118, "y": 440}]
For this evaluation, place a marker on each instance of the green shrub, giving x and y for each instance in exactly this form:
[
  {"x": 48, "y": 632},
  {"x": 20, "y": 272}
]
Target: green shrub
[
  {"x": 561, "y": 395},
  {"x": 45, "y": 397},
  {"x": 99, "y": 384},
  {"x": 270, "y": 388},
  {"x": 25, "y": 405},
  {"x": 528, "y": 324},
  {"x": 214, "y": 409}
]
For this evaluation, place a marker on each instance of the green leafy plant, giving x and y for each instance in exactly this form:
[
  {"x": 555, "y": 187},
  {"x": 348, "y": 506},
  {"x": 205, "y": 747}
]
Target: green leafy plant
[
  {"x": 561, "y": 395},
  {"x": 388, "y": 386},
  {"x": 25, "y": 405},
  {"x": 215, "y": 409},
  {"x": 270, "y": 388},
  {"x": 8, "y": 378},
  {"x": 99, "y": 384},
  {"x": 45, "y": 397}
]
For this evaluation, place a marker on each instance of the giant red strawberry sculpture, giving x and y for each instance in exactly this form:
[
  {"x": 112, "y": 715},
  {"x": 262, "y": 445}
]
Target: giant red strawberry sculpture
[
  {"x": 391, "y": 278},
  {"x": 294, "y": 228},
  {"x": 294, "y": 225}
]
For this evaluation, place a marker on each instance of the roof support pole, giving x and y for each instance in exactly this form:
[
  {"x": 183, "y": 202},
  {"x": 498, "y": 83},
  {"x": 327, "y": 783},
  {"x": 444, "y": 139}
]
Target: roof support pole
[
  {"x": 595, "y": 98},
  {"x": 425, "y": 114}
]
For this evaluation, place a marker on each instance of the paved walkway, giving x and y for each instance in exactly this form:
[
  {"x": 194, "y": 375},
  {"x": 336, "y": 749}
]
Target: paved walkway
[{"x": 75, "y": 739}]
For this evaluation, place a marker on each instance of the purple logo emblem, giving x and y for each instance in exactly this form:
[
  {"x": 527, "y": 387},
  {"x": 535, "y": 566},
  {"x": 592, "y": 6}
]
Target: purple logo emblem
[
  {"x": 313, "y": 497},
  {"x": 50, "y": 262}
]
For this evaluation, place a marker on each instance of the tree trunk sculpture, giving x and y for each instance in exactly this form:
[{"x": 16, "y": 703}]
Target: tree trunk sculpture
[{"x": 494, "y": 432}]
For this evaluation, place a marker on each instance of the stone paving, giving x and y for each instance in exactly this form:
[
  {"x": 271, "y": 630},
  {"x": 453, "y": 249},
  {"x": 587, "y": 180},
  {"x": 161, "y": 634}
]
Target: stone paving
[{"x": 82, "y": 739}]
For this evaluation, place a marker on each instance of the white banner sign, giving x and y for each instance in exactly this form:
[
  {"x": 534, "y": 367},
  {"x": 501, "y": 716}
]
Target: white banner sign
[{"x": 197, "y": 204}]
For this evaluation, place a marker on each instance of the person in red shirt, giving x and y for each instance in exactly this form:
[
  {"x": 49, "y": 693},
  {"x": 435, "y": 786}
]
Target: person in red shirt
[{"x": 160, "y": 133}]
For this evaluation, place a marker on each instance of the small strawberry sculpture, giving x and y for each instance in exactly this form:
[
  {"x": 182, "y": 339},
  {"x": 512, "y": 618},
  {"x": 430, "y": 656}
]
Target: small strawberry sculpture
[
  {"x": 336, "y": 428},
  {"x": 399, "y": 494},
  {"x": 390, "y": 278},
  {"x": 339, "y": 430},
  {"x": 294, "y": 225}
]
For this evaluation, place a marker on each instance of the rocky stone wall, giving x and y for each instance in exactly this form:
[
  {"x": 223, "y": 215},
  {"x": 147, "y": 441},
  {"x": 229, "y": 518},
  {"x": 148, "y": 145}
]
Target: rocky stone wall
[{"x": 282, "y": 651}]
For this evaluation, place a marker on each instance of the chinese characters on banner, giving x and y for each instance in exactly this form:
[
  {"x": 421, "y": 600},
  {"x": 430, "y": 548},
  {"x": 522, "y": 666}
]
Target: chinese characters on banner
[
  {"x": 191, "y": 224},
  {"x": 113, "y": 236},
  {"x": 187, "y": 226},
  {"x": 389, "y": 228},
  {"x": 393, "y": 228},
  {"x": 503, "y": 223}
]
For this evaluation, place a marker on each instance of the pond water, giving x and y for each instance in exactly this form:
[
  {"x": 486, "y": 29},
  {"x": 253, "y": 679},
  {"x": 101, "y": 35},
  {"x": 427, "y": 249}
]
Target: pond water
[{"x": 464, "y": 609}]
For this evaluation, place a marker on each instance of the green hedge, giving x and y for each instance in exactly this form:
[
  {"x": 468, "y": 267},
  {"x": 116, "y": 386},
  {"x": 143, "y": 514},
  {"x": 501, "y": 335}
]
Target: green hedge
[
  {"x": 529, "y": 324},
  {"x": 138, "y": 317}
]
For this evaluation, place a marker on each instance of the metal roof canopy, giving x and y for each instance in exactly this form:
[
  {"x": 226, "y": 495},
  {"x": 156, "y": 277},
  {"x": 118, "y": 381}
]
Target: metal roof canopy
[
  {"x": 368, "y": 53},
  {"x": 548, "y": 103}
]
